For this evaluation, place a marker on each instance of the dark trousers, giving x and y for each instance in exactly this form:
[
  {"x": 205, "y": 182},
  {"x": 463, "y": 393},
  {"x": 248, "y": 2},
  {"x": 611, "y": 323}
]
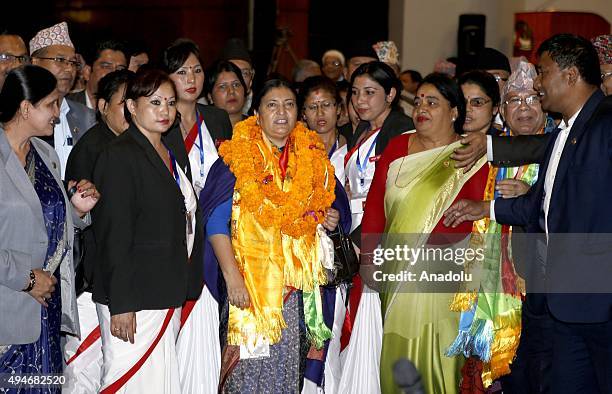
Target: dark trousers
[
  {"x": 582, "y": 358},
  {"x": 531, "y": 368}
]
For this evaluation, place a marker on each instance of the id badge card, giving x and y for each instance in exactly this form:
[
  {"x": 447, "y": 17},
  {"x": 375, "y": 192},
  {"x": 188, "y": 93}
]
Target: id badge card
[
  {"x": 198, "y": 186},
  {"x": 198, "y": 183},
  {"x": 261, "y": 349},
  {"x": 357, "y": 205},
  {"x": 361, "y": 186}
]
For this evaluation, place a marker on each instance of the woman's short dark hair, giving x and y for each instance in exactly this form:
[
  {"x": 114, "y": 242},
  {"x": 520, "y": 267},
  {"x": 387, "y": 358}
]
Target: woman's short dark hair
[
  {"x": 144, "y": 83},
  {"x": 318, "y": 82},
  {"x": 569, "y": 50},
  {"x": 177, "y": 53},
  {"x": 451, "y": 91},
  {"x": 383, "y": 74},
  {"x": 485, "y": 81},
  {"x": 212, "y": 74},
  {"x": 31, "y": 83},
  {"x": 269, "y": 85},
  {"x": 110, "y": 84}
]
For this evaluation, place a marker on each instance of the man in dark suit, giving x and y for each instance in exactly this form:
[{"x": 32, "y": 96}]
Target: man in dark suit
[
  {"x": 570, "y": 204},
  {"x": 108, "y": 56}
]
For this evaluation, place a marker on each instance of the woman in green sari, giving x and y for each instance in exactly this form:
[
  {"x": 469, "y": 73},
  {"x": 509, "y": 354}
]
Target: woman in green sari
[{"x": 414, "y": 183}]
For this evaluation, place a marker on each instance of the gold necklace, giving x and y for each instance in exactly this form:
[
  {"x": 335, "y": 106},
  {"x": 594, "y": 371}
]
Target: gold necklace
[
  {"x": 446, "y": 164},
  {"x": 185, "y": 130}
]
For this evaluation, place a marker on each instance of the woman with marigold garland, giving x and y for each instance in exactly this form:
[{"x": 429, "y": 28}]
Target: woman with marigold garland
[{"x": 275, "y": 184}]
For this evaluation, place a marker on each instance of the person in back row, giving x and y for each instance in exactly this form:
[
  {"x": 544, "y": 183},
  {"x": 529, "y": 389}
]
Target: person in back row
[
  {"x": 52, "y": 49},
  {"x": 235, "y": 51},
  {"x": 107, "y": 56},
  {"x": 603, "y": 44},
  {"x": 203, "y": 128},
  {"x": 13, "y": 53},
  {"x": 225, "y": 89}
]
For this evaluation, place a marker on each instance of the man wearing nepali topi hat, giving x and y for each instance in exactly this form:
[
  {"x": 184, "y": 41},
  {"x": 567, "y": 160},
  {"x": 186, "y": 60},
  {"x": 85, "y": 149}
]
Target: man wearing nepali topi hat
[
  {"x": 603, "y": 44},
  {"x": 52, "y": 49}
]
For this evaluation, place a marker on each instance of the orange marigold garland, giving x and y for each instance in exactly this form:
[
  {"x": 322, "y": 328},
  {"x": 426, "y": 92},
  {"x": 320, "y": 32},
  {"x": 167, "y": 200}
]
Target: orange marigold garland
[{"x": 298, "y": 210}]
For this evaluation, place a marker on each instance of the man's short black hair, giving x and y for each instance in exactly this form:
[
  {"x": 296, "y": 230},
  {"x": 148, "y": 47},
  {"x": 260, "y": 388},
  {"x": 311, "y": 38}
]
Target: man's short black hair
[
  {"x": 414, "y": 75},
  {"x": 568, "y": 50},
  {"x": 136, "y": 47},
  {"x": 114, "y": 45},
  {"x": 9, "y": 32}
]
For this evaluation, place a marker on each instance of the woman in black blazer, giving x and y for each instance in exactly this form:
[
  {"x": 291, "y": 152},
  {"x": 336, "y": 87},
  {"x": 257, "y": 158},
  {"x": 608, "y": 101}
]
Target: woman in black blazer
[{"x": 145, "y": 231}]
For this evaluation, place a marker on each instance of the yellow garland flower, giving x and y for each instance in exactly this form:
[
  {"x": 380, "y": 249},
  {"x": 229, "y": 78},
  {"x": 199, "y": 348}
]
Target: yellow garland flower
[{"x": 295, "y": 212}]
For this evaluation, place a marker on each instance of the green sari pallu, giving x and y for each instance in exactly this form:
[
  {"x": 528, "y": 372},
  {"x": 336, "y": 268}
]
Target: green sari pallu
[{"x": 418, "y": 324}]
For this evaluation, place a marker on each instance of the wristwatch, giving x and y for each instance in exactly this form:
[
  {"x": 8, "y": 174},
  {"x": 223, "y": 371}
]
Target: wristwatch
[{"x": 32, "y": 282}]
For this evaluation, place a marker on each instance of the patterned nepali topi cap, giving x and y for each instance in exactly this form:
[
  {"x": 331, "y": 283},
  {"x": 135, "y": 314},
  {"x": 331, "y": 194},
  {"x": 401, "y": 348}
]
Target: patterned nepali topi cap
[
  {"x": 603, "y": 44},
  {"x": 521, "y": 79},
  {"x": 54, "y": 35},
  {"x": 387, "y": 52},
  {"x": 445, "y": 67}
]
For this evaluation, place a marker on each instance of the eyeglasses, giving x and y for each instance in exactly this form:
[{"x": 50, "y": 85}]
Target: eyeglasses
[
  {"x": 517, "y": 101},
  {"x": 606, "y": 75},
  {"x": 10, "y": 58},
  {"x": 63, "y": 61},
  {"x": 325, "y": 107},
  {"x": 477, "y": 102},
  {"x": 499, "y": 78}
]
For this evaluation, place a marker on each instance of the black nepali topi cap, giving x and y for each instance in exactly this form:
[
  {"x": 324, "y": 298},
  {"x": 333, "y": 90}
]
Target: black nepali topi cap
[
  {"x": 360, "y": 47},
  {"x": 492, "y": 59},
  {"x": 235, "y": 49}
]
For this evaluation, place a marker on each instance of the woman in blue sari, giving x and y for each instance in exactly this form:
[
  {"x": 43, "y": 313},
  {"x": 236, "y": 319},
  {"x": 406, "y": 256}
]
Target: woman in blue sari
[{"x": 36, "y": 235}]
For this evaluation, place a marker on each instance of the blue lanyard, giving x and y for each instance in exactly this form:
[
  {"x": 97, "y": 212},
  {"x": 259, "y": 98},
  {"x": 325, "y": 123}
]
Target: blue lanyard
[
  {"x": 362, "y": 166},
  {"x": 333, "y": 149},
  {"x": 201, "y": 147}
]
